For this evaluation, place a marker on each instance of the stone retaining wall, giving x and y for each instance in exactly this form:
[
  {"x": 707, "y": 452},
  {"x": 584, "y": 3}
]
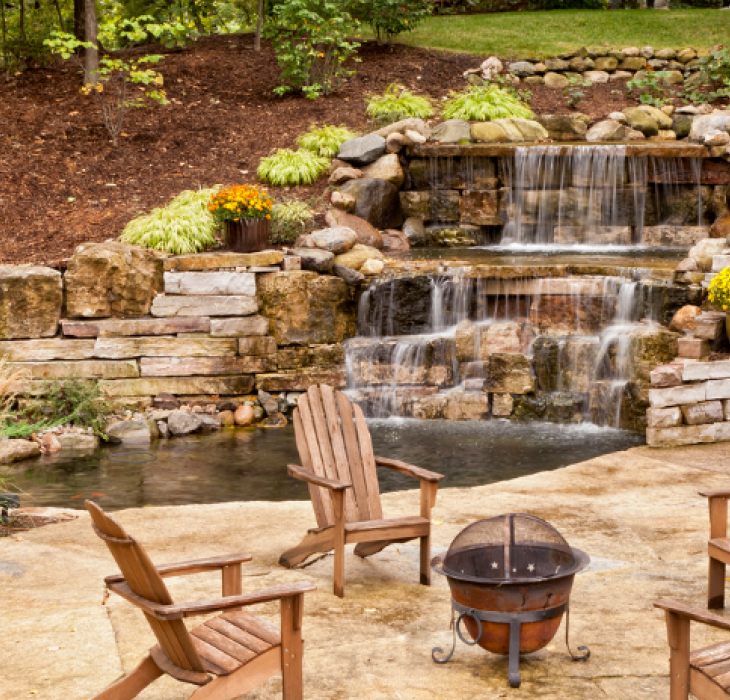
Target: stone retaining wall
[{"x": 209, "y": 325}]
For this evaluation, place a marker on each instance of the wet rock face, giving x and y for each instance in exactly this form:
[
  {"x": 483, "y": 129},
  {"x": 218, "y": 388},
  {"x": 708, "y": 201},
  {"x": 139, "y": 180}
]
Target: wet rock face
[
  {"x": 401, "y": 306},
  {"x": 30, "y": 302},
  {"x": 660, "y": 302},
  {"x": 565, "y": 314},
  {"x": 376, "y": 201},
  {"x": 112, "y": 279},
  {"x": 565, "y": 364}
]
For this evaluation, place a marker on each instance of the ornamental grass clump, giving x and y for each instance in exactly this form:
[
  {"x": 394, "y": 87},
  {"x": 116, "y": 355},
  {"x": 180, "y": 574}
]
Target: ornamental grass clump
[
  {"x": 326, "y": 140},
  {"x": 718, "y": 293},
  {"x": 287, "y": 167},
  {"x": 183, "y": 226},
  {"x": 289, "y": 220},
  {"x": 240, "y": 203},
  {"x": 483, "y": 103},
  {"x": 396, "y": 103}
]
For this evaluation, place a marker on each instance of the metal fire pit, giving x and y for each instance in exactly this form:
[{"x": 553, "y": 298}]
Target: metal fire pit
[{"x": 510, "y": 579}]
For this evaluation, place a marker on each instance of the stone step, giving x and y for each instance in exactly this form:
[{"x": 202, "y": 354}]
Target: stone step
[
  {"x": 213, "y": 305},
  {"x": 210, "y": 283},
  {"x": 113, "y": 328}
]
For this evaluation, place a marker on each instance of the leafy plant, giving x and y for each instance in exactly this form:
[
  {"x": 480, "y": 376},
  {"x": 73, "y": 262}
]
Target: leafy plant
[
  {"x": 287, "y": 167},
  {"x": 289, "y": 220},
  {"x": 78, "y": 402},
  {"x": 652, "y": 87},
  {"x": 713, "y": 75},
  {"x": 23, "y": 428},
  {"x": 391, "y": 17},
  {"x": 183, "y": 226},
  {"x": 111, "y": 83},
  {"x": 310, "y": 38},
  {"x": 396, "y": 103},
  {"x": 239, "y": 202},
  {"x": 575, "y": 89},
  {"x": 325, "y": 141},
  {"x": 718, "y": 292},
  {"x": 484, "y": 103}
]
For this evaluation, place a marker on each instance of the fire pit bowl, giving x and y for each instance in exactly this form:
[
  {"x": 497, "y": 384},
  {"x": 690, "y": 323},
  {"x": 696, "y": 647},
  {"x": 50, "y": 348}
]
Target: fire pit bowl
[{"x": 510, "y": 578}]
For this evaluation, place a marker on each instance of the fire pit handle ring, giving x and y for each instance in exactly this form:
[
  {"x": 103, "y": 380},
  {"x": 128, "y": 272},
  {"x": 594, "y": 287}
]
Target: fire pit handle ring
[
  {"x": 455, "y": 624},
  {"x": 586, "y": 651}
]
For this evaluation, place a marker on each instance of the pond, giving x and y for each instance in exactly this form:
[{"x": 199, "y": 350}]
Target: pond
[{"x": 250, "y": 465}]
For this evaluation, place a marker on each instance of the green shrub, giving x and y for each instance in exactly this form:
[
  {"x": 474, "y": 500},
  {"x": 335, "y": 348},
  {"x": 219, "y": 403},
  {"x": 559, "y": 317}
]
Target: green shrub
[
  {"x": 76, "y": 401},
  {"x": 311, "y": 45},
  {"x": 391, "y": 17},
  {"x": 484, "y": 103},
  {"x": 396, "y": 103},
  {"x": 289, "y": 220},
  {"x": 287, "y": 167},
  {"x": 325, "y": 141},
  {"x": 183, "y": 226}
]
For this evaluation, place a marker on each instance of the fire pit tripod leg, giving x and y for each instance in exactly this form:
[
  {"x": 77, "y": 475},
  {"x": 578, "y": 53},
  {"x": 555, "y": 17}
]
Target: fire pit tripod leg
[{"x": 515, "y": 679}]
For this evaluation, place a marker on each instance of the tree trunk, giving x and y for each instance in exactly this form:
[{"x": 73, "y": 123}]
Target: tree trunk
[
  {"x": 259, "y": 25},
  {"x": 60, "y": 16},
  {"x": 22, "y": 20},
  {"x": 79, "y": 20},
  {"x": 92, "y": 54}
]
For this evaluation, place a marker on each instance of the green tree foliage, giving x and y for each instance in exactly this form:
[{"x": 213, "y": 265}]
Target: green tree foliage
[{"x": 389, "y": 18}]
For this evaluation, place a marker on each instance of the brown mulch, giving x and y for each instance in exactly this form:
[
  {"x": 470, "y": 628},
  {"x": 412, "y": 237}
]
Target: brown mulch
[
  {"x": 17, "y": 524},
  {"x": 62, "y": 183}
]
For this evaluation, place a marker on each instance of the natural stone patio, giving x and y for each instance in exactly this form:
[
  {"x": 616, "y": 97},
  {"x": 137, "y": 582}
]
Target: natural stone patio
[{"x": 637, "y": 513}]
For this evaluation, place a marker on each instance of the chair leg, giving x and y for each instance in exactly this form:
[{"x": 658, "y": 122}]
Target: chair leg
[
  {"x": 426, "y": 560},
  {"x": 678, "y": 637},
  {"x": 132, "y": 685},
  {"x": 314, "y": 542},
  {"x": 291, "y": 647},
  {"x": 716, "y": 584},
  {"x": 338, "y": 503}
]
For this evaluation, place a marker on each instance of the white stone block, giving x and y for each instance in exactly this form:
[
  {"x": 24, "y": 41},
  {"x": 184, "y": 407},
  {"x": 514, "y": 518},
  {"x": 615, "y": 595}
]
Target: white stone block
[
  {"x": 700, "y": 371},
  {"x": 204, "y": 306},
  {"x": 666, "y": 375},
  {"x": 682, "y": 435},
  {"x": 677, "y": 395},
  {"x": 717, "y": 389},
  {"x": 720, "y": 262},
  {"x": 237, "y": 327},
  {"x": 209, "y": 283},
  {"x": 701, "y": 413},
  {"x": 664, "y": 417}
]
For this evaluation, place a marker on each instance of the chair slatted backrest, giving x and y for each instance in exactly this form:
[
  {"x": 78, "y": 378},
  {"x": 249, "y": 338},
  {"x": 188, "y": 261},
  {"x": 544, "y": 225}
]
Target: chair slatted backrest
[
  {"x": 334, "y": 442},
  {"x": 142, "y": 577}
]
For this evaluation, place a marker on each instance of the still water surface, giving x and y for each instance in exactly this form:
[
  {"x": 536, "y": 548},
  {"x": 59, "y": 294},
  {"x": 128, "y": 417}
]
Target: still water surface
[{"x": 250, "y": 465}]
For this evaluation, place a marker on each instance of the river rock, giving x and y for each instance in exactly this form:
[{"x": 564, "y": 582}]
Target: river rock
[
  {"x": 413, "y": 138},
  {"x": 394, "y": 240},
  {"x": 394, "y": 143},
  {"x": 243, "y": 415},
  {"x": 607, "y": 64},
  {"x": 451, "y": 131},
  {"x": 684, "y": 319},
  {"x": 686, "y": 55},
  {"x": 356, "y": 257},
  {"x": 376, "y": 201},
  {"x": 666, "y": 54},
  {"x": 131, "y": 431},
  {"x": 275, "y": 420},
  {"x": 209, "y": 423},
  {"x": 183, "y": 423},
  {"x": 338, "y": 239},
  {"x": 50, "y": 443},
  {"x": 15, "y": 450},
  {"x": 362, "y": 150},
  {"x": 641, "y": 121},
  {"x": 372, "y": 267},
  {"x": 607, "y": 130},
  {"x": 415, "y": 231},
  {"x": 79, "y": 441},
  {"x": 317, "y": 308},
  {"x": 522, "y": 69},
  {"x": 366, "y": 233},
  {"x": 556, "y": 80},
  {"x": 341, "y": 175},
  {"x": 267, "y": 402},
  {"x": 226, "y": 419},
  {"x": 315, "y": 260},
  {"x": 386, "y": 168},
  {"x": 403, "y": 126},
  {"x": 633, "y": 63},
  {"x": 112, "y": 279},
  {"x": 681, "y": 125},
  {"x": 351, "y": 277},
  {"x": 556, "y": 64},
  {"x": 528, "y": 129},
  {"x": 339, "y": 200},
  {"x": 488, "y": 132},
  {"x": 721, "y": 227},
  {"x": 563, "y": 127},
  {"x": 596, "y": 77},
  {"x": 663, "y": 120},
  {"x": 30, "y": 301}
]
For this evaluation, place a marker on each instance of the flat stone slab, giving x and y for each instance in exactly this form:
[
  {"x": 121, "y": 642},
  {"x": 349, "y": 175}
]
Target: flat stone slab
[
  {"x": 636, "y": 513},
  {"x": 212, "y": 261},
  {"x": 114, "y": 328},
  {"x": 117, "y": 348},
  {"x": 179, "y": 386},
  {"x": 42, "y": 350},
  {"x": 239, "y": 327},
  {"x": 204, "y": 366},
  {"x": 208, "y": 283},
  {"x": 213, "y": 305},
  {"x": 80, "y": 369}
]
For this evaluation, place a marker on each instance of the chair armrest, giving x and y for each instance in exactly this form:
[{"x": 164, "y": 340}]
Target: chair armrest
[
  {"x": 194, "y": 566},
  {"x": 304, "y": 475},
  {"x": 405, "y": 468},
  {"x": 720, "y": 493},
  {"x": 177, "y": 611},
  {"x": 692, "y": 613}
]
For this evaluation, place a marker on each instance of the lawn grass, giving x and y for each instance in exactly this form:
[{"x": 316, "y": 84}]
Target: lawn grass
[{"x": 539, "y": 34}]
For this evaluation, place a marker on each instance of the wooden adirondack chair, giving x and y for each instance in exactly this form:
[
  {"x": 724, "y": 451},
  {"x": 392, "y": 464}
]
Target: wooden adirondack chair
[
  {"x": 339, "y": 465},
  {"x": 228, "y": 655},
  {"x": 706, "y": 672},
  {"x": 718, "y": 547}
]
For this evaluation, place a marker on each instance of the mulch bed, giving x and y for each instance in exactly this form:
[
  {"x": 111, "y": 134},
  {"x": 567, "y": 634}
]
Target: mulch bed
[{"x": 62, "y": 183}]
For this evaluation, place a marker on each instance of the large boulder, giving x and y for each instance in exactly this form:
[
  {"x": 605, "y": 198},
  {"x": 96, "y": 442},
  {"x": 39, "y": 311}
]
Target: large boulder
[
  {"x": 358, "y": 255},
  {"x": 684, "y": 319},
  {"x": 415, "y": 231},
  {"x": 451, "y": 131},
  {"x": 488, "y": 132},
  {"x": 641, "y": 121},
  {"x": 15, "y": 450},
  {"x": 132, "y": 431},
  {"x": 362, "y": 150},
  {"x": 183, "y": 423},
  {"x": 703, "y": 252},
  {"x": 386, "y": 168},
  {"x": 706, "y": 125},
  {"x": 338, "y": 239},
  {"x": 556, "y": 80},
  {"x": 564, "y": 127},
  {"x": 112, "y": 279},
  {"x": 30, "y": 301},
  {"x": 607, "y": 130},
  {"x": 522, "y": 69},
  {"x": 305, "y": 307},
  {"x": 607, "y": 64},
  {"x": 376, "y": 201},
  {"x": 315, "y": 259},
  {"x": 663, "y": 120},
  {"x": 365, "y": 232}
]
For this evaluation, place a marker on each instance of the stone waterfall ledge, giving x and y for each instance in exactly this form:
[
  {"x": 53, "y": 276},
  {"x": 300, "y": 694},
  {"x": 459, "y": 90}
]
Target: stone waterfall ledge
[
  {"x": 636, "y": 513},
  {"x": 690, "y": 404}
]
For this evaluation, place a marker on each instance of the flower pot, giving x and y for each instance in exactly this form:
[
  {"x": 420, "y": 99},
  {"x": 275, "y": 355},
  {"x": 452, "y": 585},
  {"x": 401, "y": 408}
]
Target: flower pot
[
  {"x": 727, "y": 325},
  {"x": 248, "y": 236}
]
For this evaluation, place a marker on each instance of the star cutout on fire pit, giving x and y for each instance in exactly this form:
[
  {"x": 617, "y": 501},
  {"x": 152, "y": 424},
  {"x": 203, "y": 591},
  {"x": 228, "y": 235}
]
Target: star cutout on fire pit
[
  {"x": 495, "y": 565},
  {"x": 530, "y": 567}
]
